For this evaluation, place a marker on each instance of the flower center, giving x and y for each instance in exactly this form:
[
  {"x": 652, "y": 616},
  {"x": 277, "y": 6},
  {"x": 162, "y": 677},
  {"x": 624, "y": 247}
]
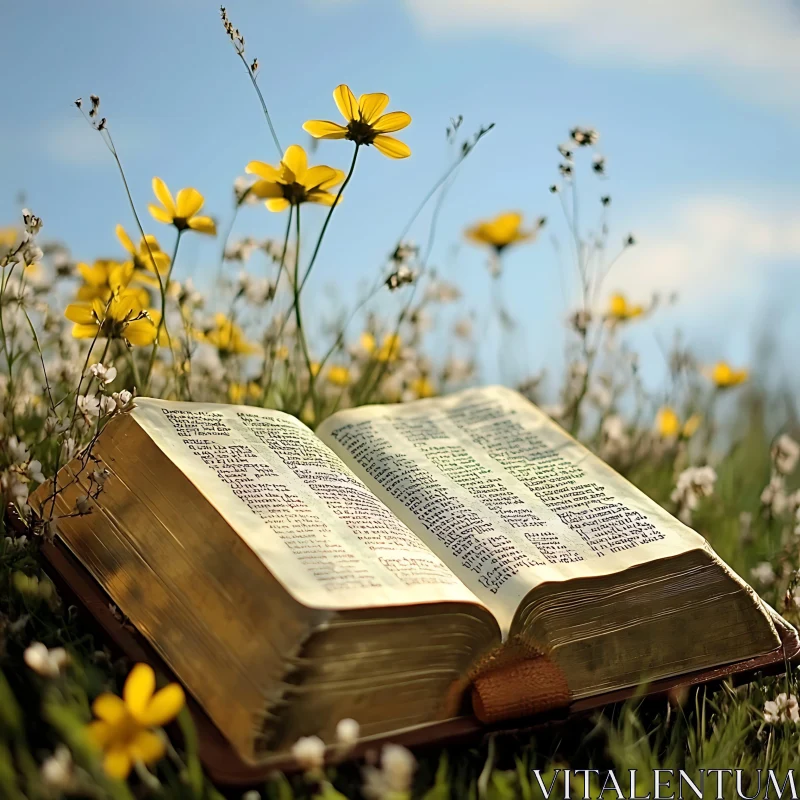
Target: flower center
[
  {"x": 360, "y": 132},
  {"x": 181, "y": 223},
  {"x": 295, "y": 193}
]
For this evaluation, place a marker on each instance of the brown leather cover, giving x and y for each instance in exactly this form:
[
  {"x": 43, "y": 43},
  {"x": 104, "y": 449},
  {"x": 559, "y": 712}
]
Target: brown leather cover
[{"x": 225, "y": 767}]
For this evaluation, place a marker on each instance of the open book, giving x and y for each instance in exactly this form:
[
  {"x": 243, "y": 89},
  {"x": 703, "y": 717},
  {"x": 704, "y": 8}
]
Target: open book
[{"x": 400, "y": 564}]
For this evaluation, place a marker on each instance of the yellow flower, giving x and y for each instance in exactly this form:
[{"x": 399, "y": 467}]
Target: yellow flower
[
  {"x": 103, "y": 278},
  {"x": 228, "y": 337},
  {"x": 500, "y": 232},
  {"x": 366, "y": 122},
  {"x": 669, "y": 425},
  {"x": 724, "y": 376},
  {"x": 8, "y": 238},
  {"x": 237, "y": 392},
  {"x": 691, "y": 425},
  {"x": 182, "y": 211},
  {"x": 422, "y": 387},
  {"x": 142, "y": 259},
  {"x": 367, "y": 342},
  {"x": 124, "y": 726},
  {"x": 293, "y": 182},
  {"x": 338, "y": 375},
  {"x": 124, "y": 317},
  {"x": 620, "y": 311},
  {"x": 389, "y": 349}
]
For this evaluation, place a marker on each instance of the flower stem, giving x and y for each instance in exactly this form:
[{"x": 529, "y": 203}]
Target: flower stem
[
  {"x": 301, "y": 335},
  {"x": 328, "y": 219},
  {"x": 164, "y": 287},
  {"x": 263, "y": 104},
  {"x": 271, "y": 354}
]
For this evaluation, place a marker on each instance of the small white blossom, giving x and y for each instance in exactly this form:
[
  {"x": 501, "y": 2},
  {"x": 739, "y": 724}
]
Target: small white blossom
[
  {"x": 88, "y": 406},
  {"x": 774, "y": 496},
  {"x": 763, "y": 573},
  {"x": 785, "y": 454},
  {"x": 783, "y": 708},
  {"x": 58, "y": 771},
  {"x": 122, "y": 399},
  {"x": 45, "y": 662},
  {"x": 347, "y": 732},
  {"x": 103, "y": 374},
  {"x": 309, "y": 752},
  {"x": 692, "y": 484},
  {"x": 17, "y": 451},
  {"x": 34, "y": 471},
  {"x": 394, "y": 776}
]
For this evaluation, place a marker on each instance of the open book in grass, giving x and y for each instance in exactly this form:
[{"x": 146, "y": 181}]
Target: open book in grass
[{"x": 403, "y": 565}]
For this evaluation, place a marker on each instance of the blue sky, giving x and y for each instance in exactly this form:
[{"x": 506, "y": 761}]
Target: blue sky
[{"x": 697, "y": 104}]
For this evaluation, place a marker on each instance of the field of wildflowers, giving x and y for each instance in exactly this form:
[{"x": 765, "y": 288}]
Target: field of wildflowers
[{"x": 80, "y": 340}]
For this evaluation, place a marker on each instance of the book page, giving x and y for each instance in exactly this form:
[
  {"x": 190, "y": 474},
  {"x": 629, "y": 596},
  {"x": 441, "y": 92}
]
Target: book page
[
  {"x": 328, "y": 540},
  {"x": 502, "y": 494}
]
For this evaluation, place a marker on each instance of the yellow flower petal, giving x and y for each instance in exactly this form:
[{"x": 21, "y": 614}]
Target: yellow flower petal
[
  {"x": 346, "y": 102},
  {"x": 277, "y": 204},
  {"x": 120, "y": 275},
  {"x": 164, "y": 196},
  {"x": 99, "y": 308},
  {"x": 84, "y": 331},
  {"x": 372, "y": 106},
  {"x": 117, "y": 763},
  {"x": 125, "y": 240},
  {"x": 322, "y": 129},
  {"x": 391, "y": 122},
  {"x": 99, "y": 732},
  {"x": 391, "y": 147},
  {"x": 160, "y": 214},
  {"x": 147, "y": 747},
  {"x": 109, "y": 708},
  {"x": 97, "y": 274},
  {"x": 80, "y": 313},
  {"x": 296, "y": 160},
  {"x": 335, "y": 179},
  {"x": 265, "y": 189},
  {"x": 203, "y": 225},
  {"x": 317, "y": 176},
  {"x": 139, "y": 687},
  {"x": 164, "y": 706},
  {"x": 263, "y": 170},
  {"x": 140, "y": 333},
  {"x": 324, "y": 198},
  {"x": 189, "y": 202}
]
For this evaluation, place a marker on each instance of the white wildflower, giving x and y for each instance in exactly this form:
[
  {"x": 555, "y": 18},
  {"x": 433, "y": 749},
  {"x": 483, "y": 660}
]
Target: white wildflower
[
  {"x": 347, "y": 732},
  {"x": 83, "y": 504},
  {"x": 103, "y": 374},
  {"x": 34, "y": 471},
  {"x": 692, "y": 484},
  {"x": 774, "y": 496},
  {"x": 122, "y": 399},
  {"x": 58, "y": 771},
  {"x": 108, "y": 405},
  {"x": 783, "y": 708},
  {"x": 763, "y": 573},
  {"x": 88, "y": 406},
  {"x": 13, "y": 489},
  {"x": 394, "y": 776},
  {"x": 463, "y": 328},
  {"x": 49, "y": 663},
  {"x": 785, "y": 454},
  {"x": 69, "y": 449},
  {"x": 309, "y": 752},
  {"x": 17, "y": 451}
]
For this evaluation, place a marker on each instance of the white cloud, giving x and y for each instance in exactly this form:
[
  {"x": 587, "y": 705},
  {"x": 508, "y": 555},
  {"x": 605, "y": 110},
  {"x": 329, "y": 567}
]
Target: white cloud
[
  {"x": 712, "y": 246},
  {"x": 749, "y": 46}
]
